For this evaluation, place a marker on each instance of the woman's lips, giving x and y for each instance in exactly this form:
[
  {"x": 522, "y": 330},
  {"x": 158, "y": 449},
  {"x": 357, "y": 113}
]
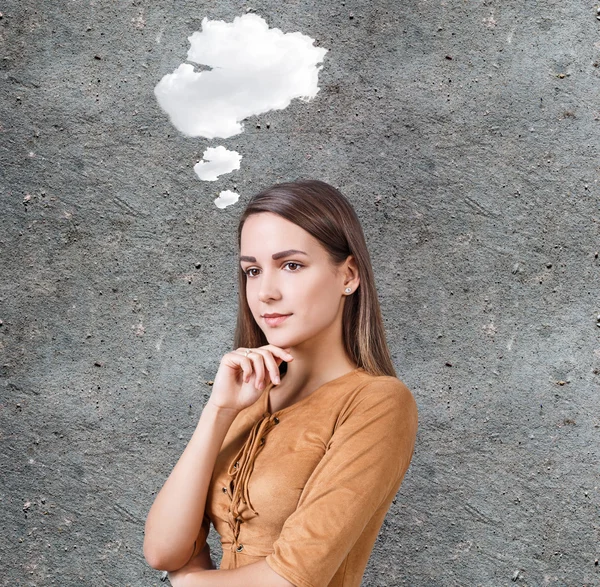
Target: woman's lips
[{"x": 275, "y": 319}]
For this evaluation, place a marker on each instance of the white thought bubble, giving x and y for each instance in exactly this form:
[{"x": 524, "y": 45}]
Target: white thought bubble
[
  {"x": 217, "y": 161},
  {"x": 226, "y": 198},
  {"x": 254, "y": 69}
]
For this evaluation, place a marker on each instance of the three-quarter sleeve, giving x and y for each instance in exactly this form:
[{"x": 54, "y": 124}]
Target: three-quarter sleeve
[{"x": 363, "y": 466}]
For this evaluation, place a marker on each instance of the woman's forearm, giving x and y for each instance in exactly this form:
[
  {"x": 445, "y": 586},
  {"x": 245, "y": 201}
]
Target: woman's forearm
[
  {"x": 258, "y": 574},
  {"x": 175, "y": 517}
]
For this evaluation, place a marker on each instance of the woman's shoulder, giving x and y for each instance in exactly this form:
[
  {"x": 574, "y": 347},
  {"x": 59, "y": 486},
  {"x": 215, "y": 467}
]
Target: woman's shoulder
[
  {"x": 381, "y": 391},
  {"x": 385, "y": 385},
  {"x": 381, "y": 407}
]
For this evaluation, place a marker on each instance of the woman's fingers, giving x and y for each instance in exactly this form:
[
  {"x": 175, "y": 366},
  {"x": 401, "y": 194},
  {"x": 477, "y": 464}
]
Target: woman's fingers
[
  {"x": 247, "y": 370},
  {"x": 269, "y": 364},
  {"x": 283, "y": 354},
  {"x": 273, "y": 357},
  {"x": 259, "y": 369},
  {"x": 265, "y": 359},
  {"x": 251, "y": 363},
  {"x": 278, "y": 355}
]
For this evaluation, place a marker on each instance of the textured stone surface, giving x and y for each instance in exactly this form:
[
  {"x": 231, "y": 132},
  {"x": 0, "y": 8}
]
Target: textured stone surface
[{"x": 466, "y": 135}]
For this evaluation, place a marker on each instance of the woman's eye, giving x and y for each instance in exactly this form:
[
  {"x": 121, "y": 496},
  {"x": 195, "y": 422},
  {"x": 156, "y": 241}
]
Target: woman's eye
[
  {"x": 251, "y": 272},
  {"x": 293, "y": 266}
]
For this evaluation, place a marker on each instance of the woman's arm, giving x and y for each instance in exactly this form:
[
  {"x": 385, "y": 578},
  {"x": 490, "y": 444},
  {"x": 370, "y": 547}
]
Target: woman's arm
[
  {"x": 176, "y": 515},
  {"x": 259, "y": 574},
  {"x": 178, "y": 510},
  {"x": 349, "y": 491}
]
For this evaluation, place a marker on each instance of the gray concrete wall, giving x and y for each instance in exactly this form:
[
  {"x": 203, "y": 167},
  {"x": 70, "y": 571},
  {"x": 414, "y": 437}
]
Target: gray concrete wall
[{"x": 466, "y": 135}]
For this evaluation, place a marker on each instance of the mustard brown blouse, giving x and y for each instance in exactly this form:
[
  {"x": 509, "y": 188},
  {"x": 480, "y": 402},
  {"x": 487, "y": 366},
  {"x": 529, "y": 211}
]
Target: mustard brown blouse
[{"x": 307, "y": 487}]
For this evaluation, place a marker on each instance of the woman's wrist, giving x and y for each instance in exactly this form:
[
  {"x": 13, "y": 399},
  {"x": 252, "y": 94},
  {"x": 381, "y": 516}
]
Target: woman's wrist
[{"x": 219, "y": 413}]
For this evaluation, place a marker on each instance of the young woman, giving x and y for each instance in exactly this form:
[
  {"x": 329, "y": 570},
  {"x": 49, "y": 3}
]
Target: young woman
[{"x": 307, "y": 434}]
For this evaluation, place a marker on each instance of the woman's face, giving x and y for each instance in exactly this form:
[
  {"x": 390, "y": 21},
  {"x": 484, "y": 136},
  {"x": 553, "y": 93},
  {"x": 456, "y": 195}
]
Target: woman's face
[{"x": 294, "y": 291}]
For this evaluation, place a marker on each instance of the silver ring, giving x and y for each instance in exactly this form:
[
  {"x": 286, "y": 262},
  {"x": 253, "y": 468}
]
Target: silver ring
[{"x": 248, "y": 351}]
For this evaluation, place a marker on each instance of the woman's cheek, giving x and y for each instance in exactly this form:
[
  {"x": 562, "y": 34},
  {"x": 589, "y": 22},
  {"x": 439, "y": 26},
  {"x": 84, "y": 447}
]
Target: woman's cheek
[{"x": 251, "y": 298}]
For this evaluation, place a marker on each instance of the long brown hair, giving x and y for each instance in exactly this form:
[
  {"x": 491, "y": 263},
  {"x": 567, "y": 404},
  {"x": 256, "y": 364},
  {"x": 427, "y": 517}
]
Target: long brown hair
[{"x": 327, "y": 215}]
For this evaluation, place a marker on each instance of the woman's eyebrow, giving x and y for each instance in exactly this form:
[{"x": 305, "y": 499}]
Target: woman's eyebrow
[
  {"x": 288, "y": 253},
  {"x": 275, "y": 256}
]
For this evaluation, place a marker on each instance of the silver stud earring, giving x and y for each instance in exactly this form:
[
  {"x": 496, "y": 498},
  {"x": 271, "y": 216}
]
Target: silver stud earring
[{"x": 348, "y": 290}]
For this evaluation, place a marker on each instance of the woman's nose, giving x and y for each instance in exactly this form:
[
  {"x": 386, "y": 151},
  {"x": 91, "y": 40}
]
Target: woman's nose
[{"x": 269, "y": 289}]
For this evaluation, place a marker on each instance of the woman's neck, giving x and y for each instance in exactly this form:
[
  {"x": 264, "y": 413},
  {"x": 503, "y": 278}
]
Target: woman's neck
[{"x": 315, "y": 363}]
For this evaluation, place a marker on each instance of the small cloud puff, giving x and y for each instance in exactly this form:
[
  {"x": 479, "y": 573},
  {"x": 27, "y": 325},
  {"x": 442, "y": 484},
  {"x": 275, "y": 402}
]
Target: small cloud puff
[
  {"x": 226, "y": 198},
  {"x": 215, "y": 162},
  {"x": 254, "y": 69}
]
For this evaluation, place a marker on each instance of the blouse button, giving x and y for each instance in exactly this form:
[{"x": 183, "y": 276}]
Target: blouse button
[
  {"x": 224, "y": 489},
  {"x": 276, "y": 420},
  {"x": 240, "y": 548}
]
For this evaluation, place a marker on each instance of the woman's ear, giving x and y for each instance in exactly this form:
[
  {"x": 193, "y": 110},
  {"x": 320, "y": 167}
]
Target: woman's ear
[{"x": 351, "y": 276}]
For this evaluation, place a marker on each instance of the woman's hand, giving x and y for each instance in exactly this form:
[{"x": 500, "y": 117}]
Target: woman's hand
[
  {"x": 201, "y": 562},
  {"x": 243, "y": 375}
]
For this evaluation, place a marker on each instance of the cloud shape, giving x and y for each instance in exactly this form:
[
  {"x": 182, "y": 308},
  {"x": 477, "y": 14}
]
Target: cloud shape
[
  {"x": 226, "y": 198},
  {"x": 254, "y": 69},
  {"x": 217, "y": 161}
]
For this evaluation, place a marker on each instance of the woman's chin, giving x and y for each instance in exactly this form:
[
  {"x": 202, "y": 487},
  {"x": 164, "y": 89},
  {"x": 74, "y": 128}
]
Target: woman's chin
[{"x": 280, "y": 340}]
